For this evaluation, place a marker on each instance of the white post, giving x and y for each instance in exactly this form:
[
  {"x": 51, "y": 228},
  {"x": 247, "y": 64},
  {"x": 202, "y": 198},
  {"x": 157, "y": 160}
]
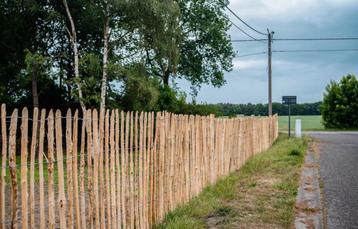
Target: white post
[{"x": 298, "y": 128}]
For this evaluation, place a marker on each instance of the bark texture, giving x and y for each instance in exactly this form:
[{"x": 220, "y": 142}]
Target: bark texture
[{"x": 73, "y": 37}]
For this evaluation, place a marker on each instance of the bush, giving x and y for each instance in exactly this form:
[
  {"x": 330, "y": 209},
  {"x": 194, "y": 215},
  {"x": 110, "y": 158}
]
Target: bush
[
  {"x": 340, "y": 104},
  {"x": 295, "y": 152}
]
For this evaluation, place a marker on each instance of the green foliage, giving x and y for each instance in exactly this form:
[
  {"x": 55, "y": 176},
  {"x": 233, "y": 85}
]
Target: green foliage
[
  {"x": 90, "y": 74},
  {"x": 261, "y": 109},
  {"x": 206, "y": 50},
  {"x": 162, "y": 36},
  {"x": 38, "y": 71},
  {"x": 340, "y": 104},
  {"x": 295, "y": 152},
  {"x": 20, "y": 22},
  {"x": 140, "y": 92},
  {"x": 167, "y": 39},
  {"x": 36, "y": 63},
  {"x": 201, "y": 109},
  {"x": 171, "y": 100}
]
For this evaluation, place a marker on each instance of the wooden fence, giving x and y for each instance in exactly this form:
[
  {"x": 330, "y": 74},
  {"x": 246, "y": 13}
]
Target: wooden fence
[{"x": 114, "y": 169}]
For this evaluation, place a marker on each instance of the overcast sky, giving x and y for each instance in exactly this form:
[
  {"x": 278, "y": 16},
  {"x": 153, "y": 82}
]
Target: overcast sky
[{"x": 303, "y": 74}]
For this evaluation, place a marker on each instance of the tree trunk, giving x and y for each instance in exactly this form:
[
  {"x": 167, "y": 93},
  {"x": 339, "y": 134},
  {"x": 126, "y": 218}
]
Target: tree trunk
[
  {"x": 105, "y": 63},
  {"x": 165, "y": 78},
  {"x": 35, "y": 95},
  {"x": 73, "y": 36}
]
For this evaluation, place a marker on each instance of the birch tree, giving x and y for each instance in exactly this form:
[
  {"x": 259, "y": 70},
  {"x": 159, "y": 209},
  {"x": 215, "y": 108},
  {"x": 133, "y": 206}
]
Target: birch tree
[
  {"x": 106, "y": 36},
  {"x": 73, "y": 37}
]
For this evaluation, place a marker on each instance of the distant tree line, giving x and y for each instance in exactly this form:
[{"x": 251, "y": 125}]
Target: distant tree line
[
  {"x": 227, "y": 109},
  {"x": 231, "y": 110}
]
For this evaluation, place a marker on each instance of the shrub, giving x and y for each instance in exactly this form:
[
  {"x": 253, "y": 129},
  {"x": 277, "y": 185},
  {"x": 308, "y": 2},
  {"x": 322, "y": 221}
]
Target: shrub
[
  {"x": 295, "y": 152},
  {"x": 340, "y": 104}
]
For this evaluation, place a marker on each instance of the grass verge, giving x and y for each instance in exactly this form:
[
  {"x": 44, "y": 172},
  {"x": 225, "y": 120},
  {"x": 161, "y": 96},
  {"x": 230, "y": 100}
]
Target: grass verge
[{"x": 260, "y": 195}]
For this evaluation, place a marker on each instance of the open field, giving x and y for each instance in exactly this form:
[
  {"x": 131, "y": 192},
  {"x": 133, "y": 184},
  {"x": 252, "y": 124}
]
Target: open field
[
  {"x": 309, "y": 122},
  {"x": 260, "y": 195}
]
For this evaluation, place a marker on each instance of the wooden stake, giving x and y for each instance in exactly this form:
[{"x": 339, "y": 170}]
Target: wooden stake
[
  {"x": 35, "y": 119},
  {"x": 69, "y": 176},
  {"x": 96, "y": 164},
  {"x": 135, "y": 167},
  {"x": 90, "y": 155},
  {"x": 113, "y": 199},
  {"x": 152, "y": 169},
  {"x": 41, "y": 172},
  {"x": 131, "y": 173},
  {"x": 12, "y": 165},
  {"x": 123, "y": 171},
  {"x": 61, "y": 184},
  {"x": 102, "y": 147},
  {"x": 50, "y": 169},
  {"x": 187, "y": 157},
  {"x": 3, "y": 164},
  {"x": 145, "y": 171},
  {"x": 24, "y": 192},
  {"x": 140, "y": 171},
  {"x": 82, "y": 172},
  {"x": 118, "y": 168},
  {"x": 107, "y": 190},
  {"x": 75, "y": 170}
]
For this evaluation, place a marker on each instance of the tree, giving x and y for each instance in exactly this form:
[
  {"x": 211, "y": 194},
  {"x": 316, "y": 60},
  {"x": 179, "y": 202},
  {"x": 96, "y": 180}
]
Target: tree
[
  {"x": 91, "y": 41},
  {"x": 73, "y": 37},
  {"x": 198, "y": 49},
  {"x": 206, "y": 51},
  {"x": 162, "y": 36},
  {"x": 340, "y": 103},
  {"x": 124, "y": 26},
  {"x": 139, "y": 92},
  {"x": 106, "y": 37},
  {"x": 21, "y": 23},
  {"x": 37, "y": 68},
  {"x": 171, "y": 100}
]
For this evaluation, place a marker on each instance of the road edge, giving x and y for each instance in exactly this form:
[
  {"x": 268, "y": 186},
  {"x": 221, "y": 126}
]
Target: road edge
[{"x": 309, "y": 201}]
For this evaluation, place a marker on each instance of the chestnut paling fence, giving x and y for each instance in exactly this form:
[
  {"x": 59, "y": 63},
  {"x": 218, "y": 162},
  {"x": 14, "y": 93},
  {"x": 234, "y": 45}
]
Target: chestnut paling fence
[{"x": 113, "y": 169}]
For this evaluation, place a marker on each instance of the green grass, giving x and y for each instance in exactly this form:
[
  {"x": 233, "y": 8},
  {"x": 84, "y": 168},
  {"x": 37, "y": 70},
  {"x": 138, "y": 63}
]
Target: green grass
[
  {"x": 260, "y": 195},
  {"x": 309, "y": 122}
]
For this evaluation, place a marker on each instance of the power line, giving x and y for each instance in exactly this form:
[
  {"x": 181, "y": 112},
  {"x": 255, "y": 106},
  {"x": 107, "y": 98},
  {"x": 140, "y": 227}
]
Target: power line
[
  {"x": 252, "y": 54},
  {"x": 318, "y": 39},
  {"x": 242, "y": 20},
  {"x": 300, "y": 50},
  {"x": 303, "y": 39},
  {"x": 315, "y": 50},
  {"x": 246, "y": 40},
  {"x": 253, "y": 38}
]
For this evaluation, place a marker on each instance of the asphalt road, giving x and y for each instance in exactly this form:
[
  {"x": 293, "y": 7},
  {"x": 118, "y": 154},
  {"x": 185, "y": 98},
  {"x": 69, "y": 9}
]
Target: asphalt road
[{"x": 339, "y": 172}]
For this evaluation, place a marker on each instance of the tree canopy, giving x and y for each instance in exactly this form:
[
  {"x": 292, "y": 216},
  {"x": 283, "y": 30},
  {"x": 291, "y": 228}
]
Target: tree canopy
[
  {"x": 340, "y": 103},
  {"x": 137, "y": 46}
]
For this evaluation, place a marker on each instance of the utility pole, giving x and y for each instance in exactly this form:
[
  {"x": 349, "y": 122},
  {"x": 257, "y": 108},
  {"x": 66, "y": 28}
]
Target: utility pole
[{"x": 269, "y": 34}]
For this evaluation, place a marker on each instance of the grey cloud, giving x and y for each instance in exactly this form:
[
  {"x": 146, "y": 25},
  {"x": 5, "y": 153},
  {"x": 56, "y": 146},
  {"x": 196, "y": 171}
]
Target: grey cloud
[{"x": 303, "y": 74}]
